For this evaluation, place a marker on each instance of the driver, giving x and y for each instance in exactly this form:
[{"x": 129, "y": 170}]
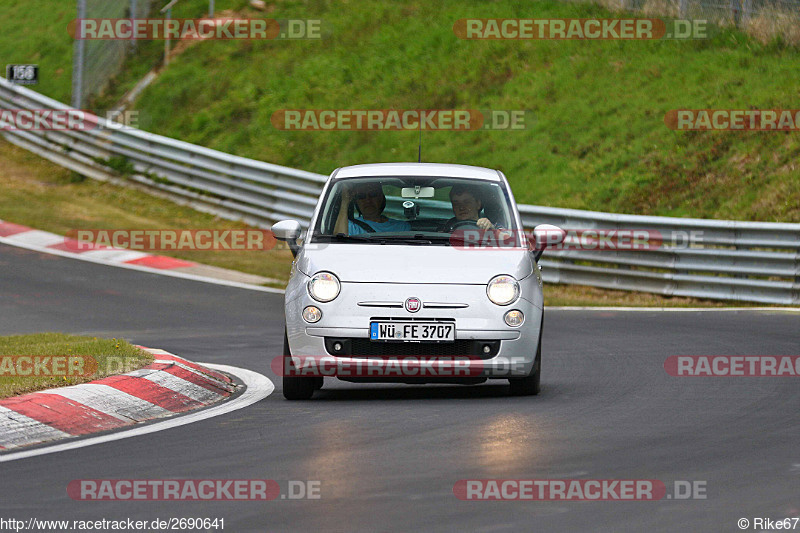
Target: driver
[
  {"x": 371, "y": 202},
  {"x": 467, "y": 206}
]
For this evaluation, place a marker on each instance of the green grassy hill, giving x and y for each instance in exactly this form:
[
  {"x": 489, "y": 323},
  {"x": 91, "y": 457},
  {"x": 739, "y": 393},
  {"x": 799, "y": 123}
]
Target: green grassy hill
[{"x": 598, "y": 142}]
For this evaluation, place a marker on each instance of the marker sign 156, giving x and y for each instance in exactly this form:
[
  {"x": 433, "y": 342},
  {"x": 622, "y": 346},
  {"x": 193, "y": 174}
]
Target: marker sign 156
[{"x": 22, "y": 74}]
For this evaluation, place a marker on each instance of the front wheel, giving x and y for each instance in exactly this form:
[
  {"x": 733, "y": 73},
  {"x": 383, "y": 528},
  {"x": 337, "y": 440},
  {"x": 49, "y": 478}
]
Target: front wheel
[
  {"x": 529, "y": 385},
  {"x": 295, "y": 388}
]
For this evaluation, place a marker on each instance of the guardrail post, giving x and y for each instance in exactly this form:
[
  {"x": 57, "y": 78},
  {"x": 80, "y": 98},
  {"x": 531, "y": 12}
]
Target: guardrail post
[
  {"x": 797, "y": 268},
  {"x": 747, "y": 10},
  {"x": 133, "y": 14},
  {"x": 735, "y": 12},
  {"x": 167, "y": 42},
  {"x": 78, "y": 59}
]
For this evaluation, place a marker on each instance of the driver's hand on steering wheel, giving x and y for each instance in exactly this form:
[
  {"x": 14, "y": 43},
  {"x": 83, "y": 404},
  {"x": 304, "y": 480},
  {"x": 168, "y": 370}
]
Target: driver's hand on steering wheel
[{"x": 485, "y": 223}]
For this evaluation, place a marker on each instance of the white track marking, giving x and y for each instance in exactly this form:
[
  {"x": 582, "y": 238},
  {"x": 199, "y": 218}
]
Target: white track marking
[
  {"x": 117, "y": 256},
  {"x": 13, "y": 423},
  {"x": 111, "y": 401},
  {"x": 35, "y": 237},
  {"x": 158, "y": 351},
  {"x": 258, "y": 388}
]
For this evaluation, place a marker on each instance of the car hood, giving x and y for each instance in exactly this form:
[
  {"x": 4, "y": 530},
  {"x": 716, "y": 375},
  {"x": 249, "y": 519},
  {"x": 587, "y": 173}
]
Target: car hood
[{"x": 413, "y": 264}]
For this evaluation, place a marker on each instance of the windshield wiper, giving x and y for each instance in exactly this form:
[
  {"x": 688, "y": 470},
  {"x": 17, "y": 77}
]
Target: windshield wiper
[
  {"x": 417, "y": 238},
  {"x": 341, "y": 237},
  {"x": 377, "y": 238}
]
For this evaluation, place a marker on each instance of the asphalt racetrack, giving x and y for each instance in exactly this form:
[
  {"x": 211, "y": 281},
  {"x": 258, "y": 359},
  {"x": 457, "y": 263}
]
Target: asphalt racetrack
[{"x": 387, "y": 456}]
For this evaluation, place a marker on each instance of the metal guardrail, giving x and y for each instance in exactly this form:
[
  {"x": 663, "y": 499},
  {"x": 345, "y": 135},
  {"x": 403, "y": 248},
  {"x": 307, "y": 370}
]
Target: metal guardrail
[
  {"x": 733, "y": 260},
  {"x": 718, "y": 259}
]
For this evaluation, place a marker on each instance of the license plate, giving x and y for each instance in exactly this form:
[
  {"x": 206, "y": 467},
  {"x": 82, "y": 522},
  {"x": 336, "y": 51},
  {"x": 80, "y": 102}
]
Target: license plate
[{"x": 412, "y": 331}]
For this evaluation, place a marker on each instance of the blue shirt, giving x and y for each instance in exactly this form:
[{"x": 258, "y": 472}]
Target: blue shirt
[{"x": 379, "y": 227}]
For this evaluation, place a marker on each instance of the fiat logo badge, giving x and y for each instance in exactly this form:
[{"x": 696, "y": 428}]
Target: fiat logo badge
[{"x": 413, "y": 305}]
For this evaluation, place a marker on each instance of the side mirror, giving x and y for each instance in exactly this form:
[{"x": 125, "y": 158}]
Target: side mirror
[
  {"x": 547, "y": 235},
  {"x": 289, "y": 231}
]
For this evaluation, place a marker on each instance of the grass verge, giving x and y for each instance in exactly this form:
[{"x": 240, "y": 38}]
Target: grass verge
[{"x": 73, "y": 359}]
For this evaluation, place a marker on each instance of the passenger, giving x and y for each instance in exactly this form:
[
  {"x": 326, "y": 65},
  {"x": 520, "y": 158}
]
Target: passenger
[{"x": 371, "y": 202}]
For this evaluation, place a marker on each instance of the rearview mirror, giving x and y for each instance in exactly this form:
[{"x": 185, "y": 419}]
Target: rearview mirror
[
  {"x": 417, "y": 192},
  {"x": 547, "y": 235},
  {"x": 289, "y": 231}
]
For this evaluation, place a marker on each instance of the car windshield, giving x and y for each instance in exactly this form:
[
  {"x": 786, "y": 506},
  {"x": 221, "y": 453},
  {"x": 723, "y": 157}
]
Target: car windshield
[{"x": 412, "y": 210}]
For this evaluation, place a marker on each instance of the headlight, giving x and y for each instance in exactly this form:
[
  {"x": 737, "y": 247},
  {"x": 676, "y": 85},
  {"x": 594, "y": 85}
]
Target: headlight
[
  {"x": 323, "y": 287},
  {"x": 503, "y": 290}
]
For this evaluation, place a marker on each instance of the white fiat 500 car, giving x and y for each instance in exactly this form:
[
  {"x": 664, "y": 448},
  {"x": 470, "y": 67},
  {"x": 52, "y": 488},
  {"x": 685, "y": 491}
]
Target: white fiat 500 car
[{"x": 414, "y": 261}]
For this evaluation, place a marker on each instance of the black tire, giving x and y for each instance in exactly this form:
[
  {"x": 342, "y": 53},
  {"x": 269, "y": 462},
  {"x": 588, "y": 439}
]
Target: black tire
[
  {"x": 295, "y": 388},
  {"x": 530, "y": 384}
]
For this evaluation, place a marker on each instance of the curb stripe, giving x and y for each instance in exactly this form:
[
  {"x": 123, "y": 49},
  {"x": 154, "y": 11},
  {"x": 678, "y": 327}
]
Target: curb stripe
[
  {"x": 114, "y": 255},
  {"x": 176, "y": 384},
  {"x": 161, "y": 261},
  {"x": 16, "y": 233},
  {"x": 161, "y": 355},
  {"x": 223, "y": 385},
  {"x": 19, "y": 430},
  {"x": 221, "y": 382},
  {"x": 75, "y": 247},
  {"x": 113, "y": 402},
  {"x": 192, "y": 377},
  {"x": 7, "y": 229},
  {"x": 159, "y": 390},
  {"x": 62, "y": 414},
  {"x": 257, "y": 387},
  {"x": 150, "y": 392},
  {"x": 37, "y": 238}
]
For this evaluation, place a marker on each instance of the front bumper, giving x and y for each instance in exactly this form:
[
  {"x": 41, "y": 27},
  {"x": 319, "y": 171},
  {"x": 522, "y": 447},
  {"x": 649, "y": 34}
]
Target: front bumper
[{"x": 478, "y": 325}]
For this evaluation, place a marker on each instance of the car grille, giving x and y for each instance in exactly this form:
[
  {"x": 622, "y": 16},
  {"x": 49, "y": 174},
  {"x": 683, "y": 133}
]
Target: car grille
[
  {"x": 363, "y": 347},
  {"x": 366, "y": 348}
]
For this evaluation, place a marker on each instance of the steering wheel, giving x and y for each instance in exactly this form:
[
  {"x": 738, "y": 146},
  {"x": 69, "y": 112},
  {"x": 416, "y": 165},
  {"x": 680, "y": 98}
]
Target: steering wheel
[
  {"x": 465, "y": 223},
  {"x": 453, "y": 224}
]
